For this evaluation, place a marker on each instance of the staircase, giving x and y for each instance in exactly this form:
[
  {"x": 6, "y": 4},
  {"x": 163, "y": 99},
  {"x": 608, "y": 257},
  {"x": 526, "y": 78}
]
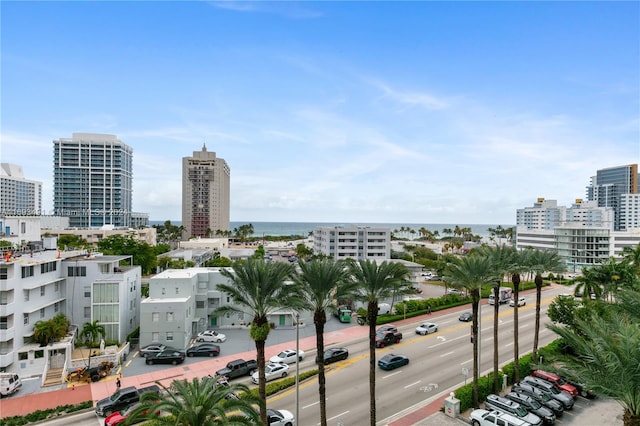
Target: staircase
[{"x": 54, "y": 377}]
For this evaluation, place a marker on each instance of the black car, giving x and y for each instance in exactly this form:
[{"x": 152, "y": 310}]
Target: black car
[
  {"x": 204, "y": 349},
  {"x": 466, "y": 317},
  {"x": 334, "y": 355},
  {"x": 153, "y": 348},
  {"x": 166, "y": 357},
  {"x": 541, "y": 396}
]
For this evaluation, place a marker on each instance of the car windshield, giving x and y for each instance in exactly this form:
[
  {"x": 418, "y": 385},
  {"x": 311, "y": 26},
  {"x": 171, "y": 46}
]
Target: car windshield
[
  {"x": 545, "y": 397},
  {"x": 561, "y": 381},
  {"x": 535, "y": 404},
  {"x": 521, "y": 412}
]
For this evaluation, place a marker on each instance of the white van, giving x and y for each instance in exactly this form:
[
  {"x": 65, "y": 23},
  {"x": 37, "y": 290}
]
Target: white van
[{"x": 9, "y": 383}]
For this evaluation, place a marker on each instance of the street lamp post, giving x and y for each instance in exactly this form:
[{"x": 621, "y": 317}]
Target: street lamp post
[{"x": 88, "y": 336}]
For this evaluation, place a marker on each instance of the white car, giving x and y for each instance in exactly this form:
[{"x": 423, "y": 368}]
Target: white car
[
  {"x": 426, "y": 328},
  {"x": 481, "y": 417},
  {"x": 521, "y": 301},
  {"x": 288, "y": 356},
  {"x": 210, "y": 336},
  {"x": 280, "y": 418},
  {"x": 272, "y": 372}
]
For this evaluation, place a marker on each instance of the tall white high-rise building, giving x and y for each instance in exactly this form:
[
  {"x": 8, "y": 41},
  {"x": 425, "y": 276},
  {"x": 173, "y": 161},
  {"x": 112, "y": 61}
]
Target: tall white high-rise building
[
  {"x": 18, "y": 195},
  {"x": 92, "y": 180},
  {"x": 205, "y": 194}
]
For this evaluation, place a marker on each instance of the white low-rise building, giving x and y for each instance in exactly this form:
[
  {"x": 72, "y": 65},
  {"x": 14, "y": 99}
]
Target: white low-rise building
[{"x": 352, "y": 242}]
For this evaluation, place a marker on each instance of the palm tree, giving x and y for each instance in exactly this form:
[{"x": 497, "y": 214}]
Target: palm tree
[
  {"x": 519, "y": 263},
  {"x": 259, "y": 288},
  {"x": 375, "y": 282},
  {"x": 607, "y": 352},
  {"x": 45, "y": 332},
  {"x": 472, "y": 272},
  {"x": 200, "y": 402},
  {"x": 501, "y": 258},
  {"x": 632, "y": 256},
  {"x": 541, "y": 261},
  {"x": 92, "y": 331},
  {"x": 322, "y": 282}
]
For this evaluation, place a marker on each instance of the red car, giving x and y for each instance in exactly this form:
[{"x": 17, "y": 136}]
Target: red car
[
  {"x": 558, "y": 382},
  {"x": 120, "y": 416}
]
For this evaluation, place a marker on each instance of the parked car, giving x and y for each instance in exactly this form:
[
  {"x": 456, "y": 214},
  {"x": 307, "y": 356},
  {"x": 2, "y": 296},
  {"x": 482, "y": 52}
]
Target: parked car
[
  {"x": 481, "y": 417},
  {"x": 557, "y": 381},
  {"x": 334, "y": 355},
  {"x": 120, "y": 416},
  {"x": 174, "y": 357},
  {"x": 204, "y": 349},
  {"x": 505, "y": 405},
  {"x": 563, "y": 397},
  {"x": 153, "y": 349},
  {"x": 392, "y": 361},
  {"x": 454, "y": 291},
  {"x": 541, "y": 396},
  {"x": 521, "y": 301},
  {"x": 288, "y": 356},
  {"x": 583, "y": 391},
  {"x": 426, "y": 328},
  {"x": 465, "y": 316},
  {"x": 210, "y": 336},
  {"x": 533, "y": 406},
  {"x": 272, "y": 372},
  {"x": 280, "y": 417}
]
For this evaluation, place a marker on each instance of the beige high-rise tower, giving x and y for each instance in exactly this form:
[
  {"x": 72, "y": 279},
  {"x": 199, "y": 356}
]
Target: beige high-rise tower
[{"x": 205, "y": 194}]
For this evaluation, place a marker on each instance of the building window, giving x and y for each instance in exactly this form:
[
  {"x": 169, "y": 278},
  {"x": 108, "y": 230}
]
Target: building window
[
  {"x": 26, "y": 295},
  {"x": 177, "y": 290},
  {"x": 169, "y": 316},
  {"x": 48, "y": 267},
  {"x": 26, "y": 318},
  {"x": 87, "y": 311},
  {"x": 3, "y": 273},
  {"x": 155, "y": 317},
  {"x": 228, "y": 299},
  {"x": 42, "y": 313},
  {"x": 155, "y": 336},
  {"x": 104, "y": 268},
  {"x": 77, "y": 271},
  {"x": 56, "y": 307},
  {"x": 199, "y": 304},
  {"x": 56, "y": 287},
  {"x": 169, "y": 336},
  {"x": 42, "y": 291},
  {"x": 164, "y": 291},
  {"x": 87, "y": 292},
  {"x": 4, "y": 323},
  {"x": 27, "y": 271}
]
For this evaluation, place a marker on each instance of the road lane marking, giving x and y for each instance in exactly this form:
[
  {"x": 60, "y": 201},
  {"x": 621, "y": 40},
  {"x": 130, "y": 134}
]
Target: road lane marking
[
  {"x": 412, "y": 384},
  {"x": 467, "y": 361},
  {"x": 338, "y": 416},
  {"x": 392, "y": 374},
  {"x": 311, "y": 405},
  {"x": 447, "y": 354}
]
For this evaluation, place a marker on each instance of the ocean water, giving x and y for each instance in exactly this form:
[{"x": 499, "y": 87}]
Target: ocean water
[{"x": 305, "y": 228}]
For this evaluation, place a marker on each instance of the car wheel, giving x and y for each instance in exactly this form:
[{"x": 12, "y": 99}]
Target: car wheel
[
  {"x": 200, "y": 340},
  {"x": 191, "y": 354},
  {"x": 284, "y": 374},
  {"x": 300, "y": 358},
  {"x": 174, "y": 362},
  {"x": 381, "y": 345},
  {"x": 212, "y": 353},
  {"x": 397, "y": 340},
  {"x": 475, "y": 423},
  {"x": 288, "y": 424},
  {"x": 149, "y": 362}
]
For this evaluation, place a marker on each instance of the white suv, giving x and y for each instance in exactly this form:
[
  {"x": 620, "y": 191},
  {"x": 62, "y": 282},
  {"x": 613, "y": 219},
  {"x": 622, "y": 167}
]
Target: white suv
[
  {"x": 521, "y": 301},
  {"x": 495, "y": 418}
]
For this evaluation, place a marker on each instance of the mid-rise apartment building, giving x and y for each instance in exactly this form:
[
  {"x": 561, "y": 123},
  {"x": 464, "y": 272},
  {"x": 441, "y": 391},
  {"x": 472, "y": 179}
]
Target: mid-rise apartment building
[
  {"x": 582, "y": 234},
  {"x": 36, "y": 286},
  {"x": 629, "y": 212},
  {"x": 352, "y": 242},
  {"x": 92, "y": 180},
  {"x": 609, "y": 185},
  {"x": 18, "y": 195},
  {"x": 183, "y": 302},
  {"x": 205, "y": 194}
]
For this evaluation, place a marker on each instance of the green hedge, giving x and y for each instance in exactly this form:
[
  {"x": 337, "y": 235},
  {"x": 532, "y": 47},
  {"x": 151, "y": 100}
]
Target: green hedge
[{"x": 39, "y": 415}]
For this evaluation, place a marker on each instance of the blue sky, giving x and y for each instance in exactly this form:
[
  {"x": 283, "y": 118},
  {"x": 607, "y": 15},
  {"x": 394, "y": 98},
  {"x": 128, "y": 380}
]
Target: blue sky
[{"x": 401, "y": 112}]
